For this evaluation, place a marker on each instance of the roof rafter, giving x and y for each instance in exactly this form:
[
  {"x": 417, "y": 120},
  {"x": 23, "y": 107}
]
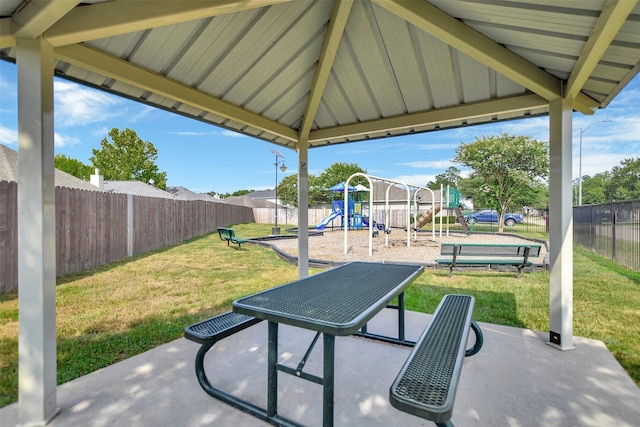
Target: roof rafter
[
  {"x": 476, "y": 45},
  {"x": 125, "y": 72},
  {"x": 33, "y": 20},
  {"x": 339, "y": 17},
  {"x": 37, "y": 17},
  {"x": 126, "y": 16},
  {"x": 612, "y": 18},
  {"x": 432, "y": 117},
  {"x": 8, "y": 28}
]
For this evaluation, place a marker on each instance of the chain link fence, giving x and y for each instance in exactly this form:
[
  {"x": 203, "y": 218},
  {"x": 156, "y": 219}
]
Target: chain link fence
[{"x": 611, "y": 230}]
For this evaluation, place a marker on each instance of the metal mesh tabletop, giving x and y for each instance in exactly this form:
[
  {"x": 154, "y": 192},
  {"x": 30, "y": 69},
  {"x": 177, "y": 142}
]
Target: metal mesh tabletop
[{"x": 337, "y": 301}]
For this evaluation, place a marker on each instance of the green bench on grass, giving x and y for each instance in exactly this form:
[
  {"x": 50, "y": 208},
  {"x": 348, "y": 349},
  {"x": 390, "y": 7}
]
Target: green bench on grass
[
  {"x": 230, "y": 236},
  {"x": 472, "y": 254}
]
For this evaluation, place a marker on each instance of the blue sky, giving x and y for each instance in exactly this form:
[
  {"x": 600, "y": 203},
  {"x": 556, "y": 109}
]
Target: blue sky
[{"x": 205, "y": 158}]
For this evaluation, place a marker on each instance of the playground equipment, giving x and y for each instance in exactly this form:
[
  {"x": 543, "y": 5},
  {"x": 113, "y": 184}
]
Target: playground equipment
[
  {"x": 374, "y": 227},
  {"x": 425, "y": 218},
  {"x": 452, "y": 202},
  {"x": 351, "y": 217},
  {"x": 327, "y": 219}
]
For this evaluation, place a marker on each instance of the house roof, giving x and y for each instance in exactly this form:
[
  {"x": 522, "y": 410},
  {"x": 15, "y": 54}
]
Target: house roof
[
  {"x": 328, "y": 72},
  {"x": 249, "y": 202},
  {"x": 182, "y": 193},
  {"x": 262, "y": 194},
  {"x": 136, "y": 188},
  {"x": 9, "y": 172}
]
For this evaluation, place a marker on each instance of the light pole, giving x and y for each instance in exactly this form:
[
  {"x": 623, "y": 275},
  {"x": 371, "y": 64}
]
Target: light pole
[
  {"x": 580, "y": 162},
  {"x": 276, "y": 230}
]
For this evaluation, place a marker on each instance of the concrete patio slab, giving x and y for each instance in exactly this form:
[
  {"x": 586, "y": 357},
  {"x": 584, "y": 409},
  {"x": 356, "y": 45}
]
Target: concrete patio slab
[{"x": 516, "y": 380}]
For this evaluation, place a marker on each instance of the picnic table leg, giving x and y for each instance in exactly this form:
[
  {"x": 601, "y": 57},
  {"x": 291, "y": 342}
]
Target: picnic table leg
[
  {"x": 272, "y": 370},
  {"x": 401, "y": 316},
  {"x": 328, "y": 387}
]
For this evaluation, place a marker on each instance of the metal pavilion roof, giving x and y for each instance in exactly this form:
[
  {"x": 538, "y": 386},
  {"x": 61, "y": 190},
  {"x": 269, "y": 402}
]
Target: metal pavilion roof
[
  {"x": 306, "y": 74},
  {"x": 327, "y": 72}
]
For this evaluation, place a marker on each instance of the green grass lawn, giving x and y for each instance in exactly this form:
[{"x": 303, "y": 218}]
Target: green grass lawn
[{"x": 122, "y": 309}]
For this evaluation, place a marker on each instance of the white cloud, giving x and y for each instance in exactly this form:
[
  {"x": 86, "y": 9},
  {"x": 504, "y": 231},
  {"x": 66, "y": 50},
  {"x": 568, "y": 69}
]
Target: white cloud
[
  {"x": 437, "y": 146},
  {"x": 417, "y": 180},
  {"x": 625, "y": 128},
  {"x": 101, "y": 132},
  {"x": 64, "y": 140},
  {"x": 78, "y": 106},
  {"x": 8, "y": 136},
  {"x": 428, "y": 164},
  {"x": 598, "y": 162},
  {"x": 144, "y": 112},
  {"x": 232, "y": 134}
]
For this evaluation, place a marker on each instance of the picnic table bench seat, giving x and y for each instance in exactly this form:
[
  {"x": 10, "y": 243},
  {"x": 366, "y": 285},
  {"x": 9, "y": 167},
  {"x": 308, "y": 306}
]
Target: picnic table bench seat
[
  {"x": 427, "y": 383},
  {"x": 207, "y": 333},
  {"x": 472, "y": 254},
  {"x": 230, "y": 236}
]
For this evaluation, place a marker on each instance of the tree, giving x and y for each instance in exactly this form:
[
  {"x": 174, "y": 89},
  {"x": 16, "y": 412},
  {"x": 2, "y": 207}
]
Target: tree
[
  {"x": 509, "y": 166},
  {"x": 450, "y": 177},
  {"x": 625, "y": 181},
  {"x": 128, "y": 158},
  {"x": 318, "y": 185},
  {"x": 335, "y": 174},
  {"x": 594, "y": 188},
  {"x": 288, "y": 190},
  {"x": 73, "y": 167}
]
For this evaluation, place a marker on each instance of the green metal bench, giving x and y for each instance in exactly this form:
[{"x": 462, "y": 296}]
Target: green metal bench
[
  {"x": 472, "y": 254},
  {"x": 230, "y": 236},
  {"x": 207, "y": 333},
  {"x": 426, "y": 385}
]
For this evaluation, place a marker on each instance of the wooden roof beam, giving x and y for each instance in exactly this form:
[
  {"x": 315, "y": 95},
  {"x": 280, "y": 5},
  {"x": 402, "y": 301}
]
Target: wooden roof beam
[
  {"x": 33, "y": 20},
  {"x": 118, "y": 17},
  {"x": 339, "y": 17},
  {"x": 432, "y": 117},
  {"x": 125, "y": 72},
  {"x": 613, "y": 16},
  {"x": 476, "y": 45}
]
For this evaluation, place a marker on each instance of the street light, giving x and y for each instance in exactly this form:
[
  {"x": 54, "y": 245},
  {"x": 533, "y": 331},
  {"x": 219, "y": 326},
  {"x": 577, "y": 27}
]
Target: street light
[
  {"x": 580, "y": 163},
  {"x": 276, "y": 230}
]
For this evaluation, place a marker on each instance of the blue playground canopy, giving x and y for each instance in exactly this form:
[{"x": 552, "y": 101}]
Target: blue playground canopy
[{"x": 340, "y": 187}]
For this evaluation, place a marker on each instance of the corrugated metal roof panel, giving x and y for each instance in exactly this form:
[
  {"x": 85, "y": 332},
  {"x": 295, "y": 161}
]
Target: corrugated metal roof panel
[{"x": 254, "y": 70}]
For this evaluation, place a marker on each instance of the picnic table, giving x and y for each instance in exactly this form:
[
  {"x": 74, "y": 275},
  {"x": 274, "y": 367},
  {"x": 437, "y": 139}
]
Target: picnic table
[{"x": 335, "y": 302}]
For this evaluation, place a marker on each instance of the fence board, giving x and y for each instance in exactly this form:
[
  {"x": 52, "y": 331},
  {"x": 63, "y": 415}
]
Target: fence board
[
  {"x": 8, "y": 236},
  {"x": 92, "y": 227}
]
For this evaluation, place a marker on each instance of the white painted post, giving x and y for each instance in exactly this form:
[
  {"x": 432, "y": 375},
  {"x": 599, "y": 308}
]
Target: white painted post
[
  {"x": 560, "y": 226},
  {"x": 36, "y": 234},
  {"x": 303, "y": 209}
]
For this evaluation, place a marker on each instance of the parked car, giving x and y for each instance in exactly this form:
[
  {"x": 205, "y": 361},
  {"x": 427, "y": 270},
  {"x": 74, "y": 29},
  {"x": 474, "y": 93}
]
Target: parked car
[{"x": 488, "y": 215}]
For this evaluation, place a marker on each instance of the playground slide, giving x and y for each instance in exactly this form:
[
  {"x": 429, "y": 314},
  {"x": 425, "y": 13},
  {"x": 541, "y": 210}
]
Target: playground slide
[
  {"x": 326, "y": 220},
  {"x": 425, "y": 218}
]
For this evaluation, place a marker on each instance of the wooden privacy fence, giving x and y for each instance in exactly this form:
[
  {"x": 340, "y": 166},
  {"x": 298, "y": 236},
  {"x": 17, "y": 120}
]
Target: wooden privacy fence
[{"x": 95, "y": 228}]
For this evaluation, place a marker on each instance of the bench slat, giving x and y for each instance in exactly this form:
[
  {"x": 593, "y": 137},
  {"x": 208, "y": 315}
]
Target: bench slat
[
  {"x": 230, "y": 236},
  {"x": 426, "y": 385},
  {"x": 466, "y": 261},
  {"x": 218, "y": 327},
  {"x": 479, "y": 249},
  {"x": 460, "y": 254}
]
